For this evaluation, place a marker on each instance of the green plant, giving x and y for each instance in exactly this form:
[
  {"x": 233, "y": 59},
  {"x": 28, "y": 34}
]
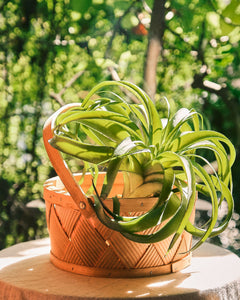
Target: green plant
[{"x": 158, "y": 157}]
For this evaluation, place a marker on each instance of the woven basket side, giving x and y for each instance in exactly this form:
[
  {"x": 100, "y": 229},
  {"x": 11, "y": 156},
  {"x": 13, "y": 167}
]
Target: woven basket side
[
  {"x": 101, "y": 247},
  {"x": 80, "y": 245}
]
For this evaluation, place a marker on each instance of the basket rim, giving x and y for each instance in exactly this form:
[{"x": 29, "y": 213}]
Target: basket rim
[{"x": 55, "y": 192}]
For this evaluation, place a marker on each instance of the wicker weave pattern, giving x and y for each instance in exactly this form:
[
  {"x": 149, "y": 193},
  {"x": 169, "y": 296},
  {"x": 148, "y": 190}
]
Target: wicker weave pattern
[{"x": 77, "y": 240}]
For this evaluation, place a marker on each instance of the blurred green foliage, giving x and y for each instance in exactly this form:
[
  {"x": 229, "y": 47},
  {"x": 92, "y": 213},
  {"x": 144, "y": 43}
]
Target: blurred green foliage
[{"x": 44, "y": 44}]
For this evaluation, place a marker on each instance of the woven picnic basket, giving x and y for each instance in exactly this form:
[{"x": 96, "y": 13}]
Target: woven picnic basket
[{"x": 81, "y": 244}]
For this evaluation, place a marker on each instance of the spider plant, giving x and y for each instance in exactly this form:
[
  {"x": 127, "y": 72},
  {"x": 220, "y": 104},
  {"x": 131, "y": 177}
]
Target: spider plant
[{"x": 159, "y": 158}]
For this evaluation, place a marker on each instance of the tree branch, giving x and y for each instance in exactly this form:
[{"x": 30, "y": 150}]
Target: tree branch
[
  {"x": 70, "y": 82},
  {"x": 58, "y": 96},
  {"x": 155, "y": 47}
]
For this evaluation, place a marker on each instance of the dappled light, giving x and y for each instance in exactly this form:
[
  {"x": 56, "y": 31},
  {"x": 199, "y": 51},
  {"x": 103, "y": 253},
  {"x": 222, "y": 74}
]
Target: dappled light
[
  {"x": 53, "y": 52},
  {"x": 213, "y": 273}
]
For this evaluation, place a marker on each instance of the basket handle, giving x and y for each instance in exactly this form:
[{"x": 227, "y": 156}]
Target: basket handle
[{"x": 61, "y": 167}]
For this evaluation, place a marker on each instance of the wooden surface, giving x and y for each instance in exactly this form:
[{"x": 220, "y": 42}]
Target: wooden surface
[{"x": 26, "y": 273}]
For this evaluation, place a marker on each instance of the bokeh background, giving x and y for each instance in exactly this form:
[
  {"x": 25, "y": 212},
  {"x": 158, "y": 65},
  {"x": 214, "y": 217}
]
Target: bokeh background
[{"x": 53, "y": 51}]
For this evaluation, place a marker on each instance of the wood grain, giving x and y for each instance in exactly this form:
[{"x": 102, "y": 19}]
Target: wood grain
[{"x": 26, "y": 273}]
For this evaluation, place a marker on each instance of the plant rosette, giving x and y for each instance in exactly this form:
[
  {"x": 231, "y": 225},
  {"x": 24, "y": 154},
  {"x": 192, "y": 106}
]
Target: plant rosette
[{"x": 157, "y": 160}]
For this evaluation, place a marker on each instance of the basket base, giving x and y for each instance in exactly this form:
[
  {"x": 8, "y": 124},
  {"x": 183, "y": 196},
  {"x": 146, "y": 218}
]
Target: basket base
[{"x": 122, "y": 273}]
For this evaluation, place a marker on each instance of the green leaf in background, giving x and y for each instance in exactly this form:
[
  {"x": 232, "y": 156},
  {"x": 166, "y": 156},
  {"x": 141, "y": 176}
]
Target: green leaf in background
[
  {"x": 80, "y": 5},
  {"x": 226, "y": 28},
  {"x": 232, "y": 12},
  {"x": 47, "y": 42}
]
